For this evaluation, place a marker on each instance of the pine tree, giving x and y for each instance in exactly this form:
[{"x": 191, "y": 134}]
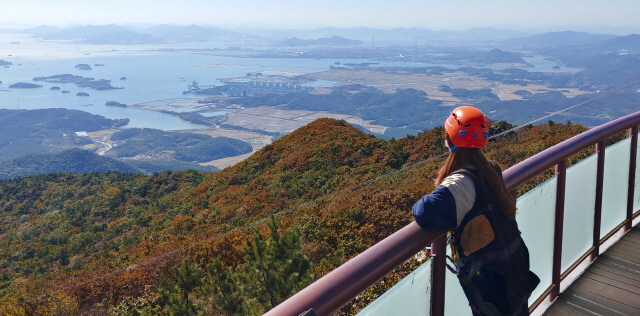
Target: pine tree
[
  {"x": 222, "y": 287},
  {"x": 64, "y": 256},
  {"x": 177, "y": 296},
  {"x": 275, "y": 269}
]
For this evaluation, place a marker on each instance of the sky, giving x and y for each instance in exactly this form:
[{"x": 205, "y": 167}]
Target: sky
[{"x": 429, "y": 14}]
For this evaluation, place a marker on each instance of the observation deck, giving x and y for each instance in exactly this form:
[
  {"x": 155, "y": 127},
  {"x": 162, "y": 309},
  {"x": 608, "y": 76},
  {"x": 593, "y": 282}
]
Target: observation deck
[
  {"x": 610, "y": 286},
  {"x": 578, "y": 226}
]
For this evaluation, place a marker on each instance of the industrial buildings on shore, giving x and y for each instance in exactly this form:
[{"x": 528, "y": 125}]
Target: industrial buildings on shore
[{"x": 241, "y": 87}]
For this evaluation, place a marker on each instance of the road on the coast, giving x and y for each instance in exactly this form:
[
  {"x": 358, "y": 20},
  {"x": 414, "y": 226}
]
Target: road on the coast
[{"x": 106, "y": 146}]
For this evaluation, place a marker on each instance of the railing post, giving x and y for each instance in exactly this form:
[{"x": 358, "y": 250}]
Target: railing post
[
  {"x": 561, "y": 172},
  {"x": 439, "y": 253},
  {"x": 633, "y": 133},
  {"x": 597, "y": 216}
]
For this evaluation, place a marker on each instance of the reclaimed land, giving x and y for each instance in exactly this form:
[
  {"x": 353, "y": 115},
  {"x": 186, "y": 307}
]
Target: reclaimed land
[{"x": 430, "y": 83}]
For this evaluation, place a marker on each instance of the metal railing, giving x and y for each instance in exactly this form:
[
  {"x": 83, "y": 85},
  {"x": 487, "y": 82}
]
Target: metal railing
[{"x": 331, "y": 292}]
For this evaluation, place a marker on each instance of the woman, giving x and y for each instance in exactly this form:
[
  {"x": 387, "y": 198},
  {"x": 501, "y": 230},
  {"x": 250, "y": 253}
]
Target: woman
[{"x": 472, "y": 202}]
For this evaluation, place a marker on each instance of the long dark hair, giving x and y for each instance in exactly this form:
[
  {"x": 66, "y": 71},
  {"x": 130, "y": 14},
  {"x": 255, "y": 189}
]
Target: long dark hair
[{"x": 461, "y": 158}]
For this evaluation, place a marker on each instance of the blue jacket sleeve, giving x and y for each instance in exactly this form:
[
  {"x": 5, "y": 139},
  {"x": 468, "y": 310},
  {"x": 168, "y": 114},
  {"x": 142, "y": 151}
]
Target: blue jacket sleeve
[{"x": 436, "y": 211}]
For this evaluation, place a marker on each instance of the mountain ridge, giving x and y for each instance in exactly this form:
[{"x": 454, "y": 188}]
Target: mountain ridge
[
  {"x": 559, "y": 39},
  {"x": 324, "y": 41}
]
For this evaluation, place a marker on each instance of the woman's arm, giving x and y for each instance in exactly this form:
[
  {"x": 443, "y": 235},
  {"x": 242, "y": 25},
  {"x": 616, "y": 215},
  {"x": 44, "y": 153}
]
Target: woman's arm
[
  {"x": 446, "y": 206},
  {"x": 436, "y": 211}
]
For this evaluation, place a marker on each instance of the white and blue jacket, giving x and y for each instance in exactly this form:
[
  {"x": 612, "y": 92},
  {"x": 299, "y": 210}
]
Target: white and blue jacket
[{"x": 446, "y": 206}]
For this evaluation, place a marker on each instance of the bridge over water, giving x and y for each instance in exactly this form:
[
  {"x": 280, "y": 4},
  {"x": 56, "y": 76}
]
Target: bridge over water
[{"x": 578, "y": 226}]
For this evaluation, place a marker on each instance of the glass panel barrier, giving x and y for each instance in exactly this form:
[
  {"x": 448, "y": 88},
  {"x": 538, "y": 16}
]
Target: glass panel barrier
[
  {"x": 579, "y": 208},
  {"x": 536, "y": 218},
  {"x": 410, "y": 296},
  {"x": 455, "y": 302},
  {"x": 636, "y": 194},
  {"x": 616, "y": 184}
]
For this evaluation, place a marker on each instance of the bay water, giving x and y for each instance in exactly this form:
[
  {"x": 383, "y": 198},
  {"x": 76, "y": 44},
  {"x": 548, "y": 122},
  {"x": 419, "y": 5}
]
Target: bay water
[{"x": 152, "y": 72}]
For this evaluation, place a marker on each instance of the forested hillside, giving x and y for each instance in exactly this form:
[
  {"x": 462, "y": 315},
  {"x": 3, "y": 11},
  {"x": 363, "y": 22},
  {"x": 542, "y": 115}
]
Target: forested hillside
[
  {"x": 47, "y": 130},
  {"x": 188, "y": 147},
  {"x": 83, "y": 161},
  {"x": 90, "y": 243},
  {"x": 73, "y": 160}
]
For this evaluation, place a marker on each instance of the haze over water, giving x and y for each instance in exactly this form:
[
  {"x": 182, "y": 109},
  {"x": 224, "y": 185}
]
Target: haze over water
[{"x": 151, "y": 75}]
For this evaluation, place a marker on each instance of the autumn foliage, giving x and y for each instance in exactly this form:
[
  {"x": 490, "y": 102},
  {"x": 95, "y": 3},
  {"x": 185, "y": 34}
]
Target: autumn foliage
[{"x": 82, "y": 244}]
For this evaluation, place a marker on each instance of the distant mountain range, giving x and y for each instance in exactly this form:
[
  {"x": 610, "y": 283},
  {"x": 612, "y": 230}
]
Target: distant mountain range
[
  {"x": 325, "y": 41},
  {"x": 616, "y": 53},
  {"x": 126, "y": 37},
  {"x": 620, "y": 44},
  {"x": 374, "y": 35},
  {"x": 191, "y": 33},
  {"x": 559, "y": 39},
  {"x": 116, "y": 34}
]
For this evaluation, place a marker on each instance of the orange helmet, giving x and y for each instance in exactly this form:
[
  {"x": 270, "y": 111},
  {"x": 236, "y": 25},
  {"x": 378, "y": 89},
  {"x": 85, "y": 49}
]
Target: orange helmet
[{"x": 467, "y": 127}]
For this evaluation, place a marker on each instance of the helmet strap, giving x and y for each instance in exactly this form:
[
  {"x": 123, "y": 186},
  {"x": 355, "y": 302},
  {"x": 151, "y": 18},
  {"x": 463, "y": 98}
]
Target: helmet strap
[{"x": 452, "y": 148}]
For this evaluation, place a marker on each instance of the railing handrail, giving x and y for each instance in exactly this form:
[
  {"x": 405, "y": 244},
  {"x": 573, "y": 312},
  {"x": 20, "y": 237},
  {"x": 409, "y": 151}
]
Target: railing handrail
[
  {"x": 334, "y": 290},
  {"x": 536, "y": 164},
  {"x": 357, "y": 274}
]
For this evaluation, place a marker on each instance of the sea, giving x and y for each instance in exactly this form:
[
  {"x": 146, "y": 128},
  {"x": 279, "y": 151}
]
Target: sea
[{"x": 152, "y": 72}]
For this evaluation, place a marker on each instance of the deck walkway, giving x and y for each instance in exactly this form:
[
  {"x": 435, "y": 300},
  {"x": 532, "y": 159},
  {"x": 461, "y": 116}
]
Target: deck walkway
[{"x": 610, "y": 286}]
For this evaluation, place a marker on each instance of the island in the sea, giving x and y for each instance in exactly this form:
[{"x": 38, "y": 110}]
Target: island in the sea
[
  {"x": 83, "y": 66},
  {"x": 115, "y": 103},
  {"x": 5, "y": 63},
  {"x": 82, "y": 94},
  {"x": 24, "y": 85},
  {"x": 80, "y": 81}
]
